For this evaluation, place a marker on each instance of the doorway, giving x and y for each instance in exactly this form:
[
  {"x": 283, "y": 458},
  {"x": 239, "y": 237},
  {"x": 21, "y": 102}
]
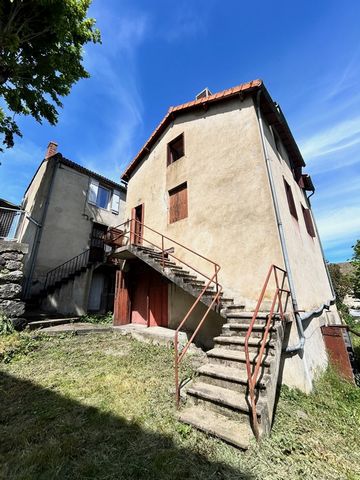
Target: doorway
[
  {"x": 137, "y": 216},
  {"x": 141, "y": 297}
]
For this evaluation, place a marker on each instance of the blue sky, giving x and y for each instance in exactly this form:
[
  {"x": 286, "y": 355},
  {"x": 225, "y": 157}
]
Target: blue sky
[{"x": 160, "y": 53}]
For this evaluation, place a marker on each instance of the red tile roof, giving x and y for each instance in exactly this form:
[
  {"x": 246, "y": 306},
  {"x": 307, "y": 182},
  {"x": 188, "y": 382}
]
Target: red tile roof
[{"x": 244, "y": 88}]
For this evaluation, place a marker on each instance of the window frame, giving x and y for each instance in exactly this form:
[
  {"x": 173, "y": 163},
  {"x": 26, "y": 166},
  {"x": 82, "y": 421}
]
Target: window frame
[
  {"x": 309, "y": 223},
  {"x": 170, "y": 159},
  {"x": 181, "y": 208},
  {"x": 109, "y": 197},
  {"x": 290, "y": 200}
]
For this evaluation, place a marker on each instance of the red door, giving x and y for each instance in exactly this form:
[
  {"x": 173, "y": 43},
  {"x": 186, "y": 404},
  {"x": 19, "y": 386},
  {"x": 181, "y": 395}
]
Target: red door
[{"x": 149, "y": 305}]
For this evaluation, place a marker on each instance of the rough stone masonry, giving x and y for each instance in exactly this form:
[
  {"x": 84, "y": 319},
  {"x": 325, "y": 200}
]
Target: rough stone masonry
[{"x": 11, "y": 278}]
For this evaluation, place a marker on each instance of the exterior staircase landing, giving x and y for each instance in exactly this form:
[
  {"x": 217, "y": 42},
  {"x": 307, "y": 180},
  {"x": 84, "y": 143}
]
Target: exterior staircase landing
[{"x": 217, "y": 400}]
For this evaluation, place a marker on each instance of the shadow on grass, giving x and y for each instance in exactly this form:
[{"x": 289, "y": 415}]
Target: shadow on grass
[{"x": 44, "y": 435}]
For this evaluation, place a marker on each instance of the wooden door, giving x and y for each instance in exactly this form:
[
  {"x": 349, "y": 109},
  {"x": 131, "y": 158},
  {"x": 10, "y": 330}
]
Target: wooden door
[
  {"x": 122, "y": 299},
  {"x": 158, "y": 301},
  {"x": 137, "y": 216},
  {"x": 149, "y": 298}
]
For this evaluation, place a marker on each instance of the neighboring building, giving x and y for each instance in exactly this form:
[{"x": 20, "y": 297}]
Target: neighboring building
[
  {"x": 223, "y": 176},
  {"x": 9, "y": 214},
  {"x": 68, "y": 210}
]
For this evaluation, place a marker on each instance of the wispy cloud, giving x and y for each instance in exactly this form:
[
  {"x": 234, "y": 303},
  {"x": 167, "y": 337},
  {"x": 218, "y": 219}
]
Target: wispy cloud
[
  {"x": 338, "y": 137},
  {"x": 339, "y": 225},
  {"x": 114, "y": 70},
  {"x": 347, "y": 77}
]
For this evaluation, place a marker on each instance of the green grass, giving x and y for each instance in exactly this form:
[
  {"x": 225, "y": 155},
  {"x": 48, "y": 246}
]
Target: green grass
[{"x": 102, "y": 407}]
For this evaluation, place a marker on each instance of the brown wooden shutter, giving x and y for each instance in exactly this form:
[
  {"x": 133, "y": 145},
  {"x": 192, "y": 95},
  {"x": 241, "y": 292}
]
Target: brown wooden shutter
[
  {"x": 178, "y": 203},
  {"x": 290, "y": 200},
  {"x": 308, "y": 221}
]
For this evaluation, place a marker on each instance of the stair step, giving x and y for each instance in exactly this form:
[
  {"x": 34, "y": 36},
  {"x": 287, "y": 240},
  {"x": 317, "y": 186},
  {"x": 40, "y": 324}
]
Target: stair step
[
  {"x": 223, "y": 372},
  {"x": 219, "y": 395},
  {"x": 249, "y": 315},
  {"x": 51, "y": 322},
  {"x": 245, "y": 326},
  {"x": 235, "y": 355},
  {"x": 180, "y": 270},
  {"x": 240, "y": 341},
  {"x": 236, "y": 306},
  {"x": 235, "y": 433}
]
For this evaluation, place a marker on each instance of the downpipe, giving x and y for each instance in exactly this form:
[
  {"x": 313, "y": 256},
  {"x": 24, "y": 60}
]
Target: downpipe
[{"x": 299, "y": 347}]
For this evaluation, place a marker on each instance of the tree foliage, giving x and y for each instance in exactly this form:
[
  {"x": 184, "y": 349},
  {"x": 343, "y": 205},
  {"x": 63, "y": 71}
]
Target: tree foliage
[
  {"x": 356, "y": 274},
  {"x": 41, "y": 53},
  {"x": 341, "y": 283}
]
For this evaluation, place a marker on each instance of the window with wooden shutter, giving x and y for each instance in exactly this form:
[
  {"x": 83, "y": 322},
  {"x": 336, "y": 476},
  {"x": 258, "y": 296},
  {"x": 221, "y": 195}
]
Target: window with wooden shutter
[
  {"x": 290, "y": 200},
  {"x": 175, "y": 149},
  {"x": 308, "y": 221},
  {"x": 178, "y": 203}
]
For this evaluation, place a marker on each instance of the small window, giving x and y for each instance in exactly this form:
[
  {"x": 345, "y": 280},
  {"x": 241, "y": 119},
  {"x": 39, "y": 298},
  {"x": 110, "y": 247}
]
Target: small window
[
  {"x": 99, "y": 195},
  {"x": 308, "y": 221},
  {"x": 175, "y": 149},
  {"x": 103, "y": 197},
  {"x": 178, "y": 203},
  {"x": 290, "y": 199}
]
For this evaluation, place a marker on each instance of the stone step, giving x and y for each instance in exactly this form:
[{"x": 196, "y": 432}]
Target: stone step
[
  {"x": 246, "y": 315},
  {"x": 219, "y": 396},
  {"x": 236, "y": 307},
  {"x": 258, "y": 327},
  {"x": 51, "y": 322},
  {"x": 234, "y": 358},
  {"x": 235, "y": 433},
  {"x": 238, "y": 342},
  {"x": 229, "y": 377}
]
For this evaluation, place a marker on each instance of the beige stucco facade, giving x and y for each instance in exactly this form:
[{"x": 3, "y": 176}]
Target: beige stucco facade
[{"x": 232, "y": 221}]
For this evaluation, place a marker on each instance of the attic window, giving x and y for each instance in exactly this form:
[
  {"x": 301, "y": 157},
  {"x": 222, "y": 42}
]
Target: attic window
[
  {"x": 290, "y": 199},
  {"x": 175, "y": 149},
  {"x": 308, "y": 221}
]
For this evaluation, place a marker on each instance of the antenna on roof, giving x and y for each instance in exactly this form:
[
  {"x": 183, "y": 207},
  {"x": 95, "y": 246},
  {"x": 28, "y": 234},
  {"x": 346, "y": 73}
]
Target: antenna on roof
[{"x": 203, "y": 94}]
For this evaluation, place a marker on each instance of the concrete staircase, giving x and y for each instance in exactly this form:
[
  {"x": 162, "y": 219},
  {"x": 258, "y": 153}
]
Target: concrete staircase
[
  {"x": 187, "y": 280},
  {"x": 217, "y": 399}
]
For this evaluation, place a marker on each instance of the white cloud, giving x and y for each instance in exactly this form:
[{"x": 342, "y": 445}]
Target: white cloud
[
  {"x": 339, "y": 137},
  {"x": 114, "y": 69},
  {"x": 339, "y": 225}
]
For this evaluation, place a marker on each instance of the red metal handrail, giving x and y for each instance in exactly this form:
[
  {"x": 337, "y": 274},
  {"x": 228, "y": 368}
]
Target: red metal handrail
[
  {"x": 213, "y": 279},
  {"x": 165, "y": 252},
  {"x": 276, "y": 306}
]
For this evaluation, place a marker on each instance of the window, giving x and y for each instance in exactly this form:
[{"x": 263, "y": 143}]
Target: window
[
  {"x": 308, "y": 221},
  {"x": 178, "y": 203},
  {"x": 175, "y": 149},
  {"x": 290, "y": 199},
  {"x": 103, "y": 197}
]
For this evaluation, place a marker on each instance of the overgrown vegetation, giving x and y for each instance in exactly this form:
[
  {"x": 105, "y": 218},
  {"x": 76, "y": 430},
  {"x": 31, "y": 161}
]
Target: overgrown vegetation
[
  {"x": 102, "y": 407},
  {"x": 98, "y": 319},
  {"x": 6, "y": 325},
  {"x": 356, "y": 264}
]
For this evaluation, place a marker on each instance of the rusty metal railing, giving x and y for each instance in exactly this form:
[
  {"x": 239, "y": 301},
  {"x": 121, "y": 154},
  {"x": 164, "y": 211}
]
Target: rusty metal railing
[
  {"x": 136, "y": 235},
  {"x": 129, "y": 231},
  {"x": 276, "y": 308}
]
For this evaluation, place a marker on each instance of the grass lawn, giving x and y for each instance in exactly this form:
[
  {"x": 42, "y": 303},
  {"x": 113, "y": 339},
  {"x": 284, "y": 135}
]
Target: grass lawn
[{"x": 102, "y": 407}]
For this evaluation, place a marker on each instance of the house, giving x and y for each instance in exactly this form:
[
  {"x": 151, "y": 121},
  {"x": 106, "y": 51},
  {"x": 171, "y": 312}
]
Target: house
[
  {"x": 220, "y": 241},
  {"x": 67, "y": 209}
]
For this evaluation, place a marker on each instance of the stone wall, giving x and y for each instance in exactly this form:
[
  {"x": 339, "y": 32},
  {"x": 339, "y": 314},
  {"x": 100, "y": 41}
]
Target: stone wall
[{"x": 11, "y": 277}]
